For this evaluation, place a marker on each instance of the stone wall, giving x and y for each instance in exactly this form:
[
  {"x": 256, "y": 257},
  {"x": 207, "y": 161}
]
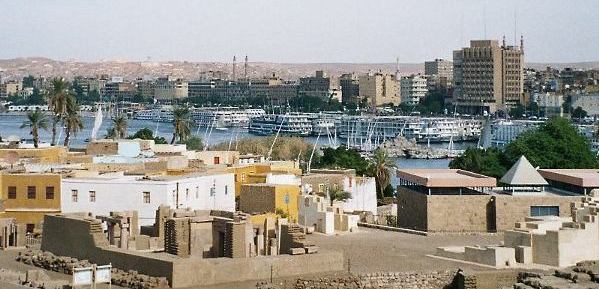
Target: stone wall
[
  {"x": 513, "y": 209},
  {"x": 470, "y": 213}
]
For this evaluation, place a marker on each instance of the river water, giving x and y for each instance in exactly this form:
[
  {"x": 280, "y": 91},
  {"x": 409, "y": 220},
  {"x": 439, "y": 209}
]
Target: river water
[{"x": 10, "y": 125}]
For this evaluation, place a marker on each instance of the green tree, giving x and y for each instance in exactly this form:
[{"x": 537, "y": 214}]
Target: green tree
[
  {"x": 379, "y": 169},
  {"x": 147, "y": 134},
  {"x": 36, "y": 97},
  {"x": 336, "y": 194},
  {"x": 78, "y": 91},
  {"x": 72, "y": 121},
  {"x": 194, "y": 143},
  {"x": 36, "y": 120},
  {"x": 556, "y": 144},
  {"x": 93, "y": 96},
  {"x": 57, "y": 101},
  {"x": 434, "y": 103},
  {"x": 579, "y": 113},
  {"x": 28, "y": 81},
  {"x": 342, "y": 157},
  {"x": 517, "y": 111},
  {"x": 181, "y": 124},
  {"x": 490, "y": 162},
  {"x": 119, "y": 127}
]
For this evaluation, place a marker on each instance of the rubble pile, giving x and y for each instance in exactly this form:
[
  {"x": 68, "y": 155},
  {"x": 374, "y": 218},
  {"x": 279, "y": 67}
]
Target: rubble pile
[
  {"x": 62, "y": 264},
  {"x": 32, "y": 279},
  {"x": 580, "y": 276},
  {"x": 387, "y": 280}
]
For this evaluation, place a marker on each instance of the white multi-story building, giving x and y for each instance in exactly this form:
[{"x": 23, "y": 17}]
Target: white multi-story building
[
  {"x": 361, "y": 189},
  {"x": 102, "y": 195},
  {"x": 413, "y": 89}
]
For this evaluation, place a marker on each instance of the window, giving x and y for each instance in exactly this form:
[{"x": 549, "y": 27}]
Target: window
[
  {"x": 29, "y": 228},
  {"x": 187, "y": 194},
  {"x": 31, "y": 192},
  {"x": 226, "y": 190},
  {"x": 243, "y": 177},
  {"x": 212, "y": 191},
  {"x": 49, "y": 193},
  {"x": 538, "y": 211},
  {"x": 216, "y": 160},
  {"x": 12, "y": 192},
  {"x": 146, "y": 196},
  {"x": 321, "y": 188},
  {"x": 350, "y": 181},
  {"x": 74, "y": 196},
  {"x": 197, "y": 192},
  {"x": 92, "y": 196}
]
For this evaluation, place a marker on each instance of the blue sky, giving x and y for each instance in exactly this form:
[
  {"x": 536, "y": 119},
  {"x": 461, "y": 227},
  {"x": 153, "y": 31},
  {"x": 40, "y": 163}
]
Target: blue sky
[{"x": 293, "y": 31}]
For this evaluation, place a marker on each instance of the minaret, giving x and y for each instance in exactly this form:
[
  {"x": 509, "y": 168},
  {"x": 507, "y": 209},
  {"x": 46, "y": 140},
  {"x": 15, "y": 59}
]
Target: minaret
[
  {"x": 245, "y": 67},
  {"x": 503, "y": 41},
  {"x": 234, "y": 67},
  {"x": 522, "y": 43},
  {"x": 397, "y": 77}
]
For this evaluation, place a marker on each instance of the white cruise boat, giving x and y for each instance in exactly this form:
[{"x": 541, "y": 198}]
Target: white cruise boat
[
  {"x": 291, "y": 124},
  {"x": 225, "y": 117},
  {"x": 146, "y": 114}
]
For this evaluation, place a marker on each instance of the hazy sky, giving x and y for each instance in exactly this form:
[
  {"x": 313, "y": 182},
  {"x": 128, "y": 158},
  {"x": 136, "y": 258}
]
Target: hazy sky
[{"x": 293, "y": 31}]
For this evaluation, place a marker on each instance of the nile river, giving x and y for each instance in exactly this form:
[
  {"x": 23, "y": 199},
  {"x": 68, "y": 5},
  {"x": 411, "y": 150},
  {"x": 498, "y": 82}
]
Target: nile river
[{"x": 10, "y": 125}]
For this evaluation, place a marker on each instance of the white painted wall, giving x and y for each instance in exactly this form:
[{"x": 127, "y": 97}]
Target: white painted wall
[
  {"x": 126, "y": 193},
  {"x": 363, "y": 195}
]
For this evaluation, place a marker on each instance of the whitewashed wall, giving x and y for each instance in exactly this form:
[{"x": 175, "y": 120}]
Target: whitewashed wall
[{"x": 126, "y": 193}]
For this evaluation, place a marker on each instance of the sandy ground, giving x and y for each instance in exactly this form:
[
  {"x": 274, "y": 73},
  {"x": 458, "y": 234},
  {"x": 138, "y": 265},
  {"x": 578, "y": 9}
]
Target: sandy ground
[{"x": 367, "y": 251}]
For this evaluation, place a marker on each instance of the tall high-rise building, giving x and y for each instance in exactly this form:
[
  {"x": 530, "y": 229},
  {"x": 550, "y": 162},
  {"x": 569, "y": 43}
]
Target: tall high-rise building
[
  {"x": 439, "y": 67},
  {"x": 379, "y": 89},
  {"x": 488, "y": 77}
]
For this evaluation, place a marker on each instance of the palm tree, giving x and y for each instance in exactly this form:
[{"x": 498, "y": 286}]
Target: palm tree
[
  {"x": 35, "y": 120},
  {"x": 379, "y": 169},
  {"x": 72, "y": 121},
  {"x": 181, "y": 124},
  {"x": 339, "y": 195},
  {"x": 58, "y": 101},
  {"x": 119, "y": 127}
]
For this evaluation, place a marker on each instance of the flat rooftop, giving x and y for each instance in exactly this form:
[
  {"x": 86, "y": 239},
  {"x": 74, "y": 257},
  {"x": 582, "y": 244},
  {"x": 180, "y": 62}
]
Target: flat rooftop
[
  {"x": 586, "y": 178},
  {"x": 446, "y": 178}
]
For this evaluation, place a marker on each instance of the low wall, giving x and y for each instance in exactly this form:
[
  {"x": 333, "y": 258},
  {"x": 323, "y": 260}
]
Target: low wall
[{"x": 203, "y": 272}]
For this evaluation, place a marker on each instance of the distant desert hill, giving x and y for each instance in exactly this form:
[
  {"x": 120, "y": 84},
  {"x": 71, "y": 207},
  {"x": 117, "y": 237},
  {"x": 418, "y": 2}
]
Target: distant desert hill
[{"x": 38, "y": 66}]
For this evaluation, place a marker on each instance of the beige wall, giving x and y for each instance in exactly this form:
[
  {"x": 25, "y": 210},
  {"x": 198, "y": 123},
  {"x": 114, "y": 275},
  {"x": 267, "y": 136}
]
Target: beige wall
[{"x": 514, "y": 209}]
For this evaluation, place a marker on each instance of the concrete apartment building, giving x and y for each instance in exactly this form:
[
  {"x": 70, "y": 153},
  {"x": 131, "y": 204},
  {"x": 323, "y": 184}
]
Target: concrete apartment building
[
  {"x": 318, "y": 85},
  {"x": 488, "y": 77},
  {"x": 439, "y": 74},
  {"x": 413, "y": 89},
  {"x": 105, "y": 193},
  {"x": 350, "y": 88},
  {"x": 379, "y": 89},
  {"x": 168, "y": 89}
]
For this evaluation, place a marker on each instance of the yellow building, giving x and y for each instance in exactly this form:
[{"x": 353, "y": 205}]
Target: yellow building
[
  {"x": 267, "y": 198},
  {"x": 55, "y": 154},
  {"x": 28, "y": 197},
  {"x": 256, "y": 173}
]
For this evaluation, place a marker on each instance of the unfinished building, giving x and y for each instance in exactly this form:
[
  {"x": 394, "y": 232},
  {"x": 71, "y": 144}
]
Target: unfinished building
[
  {"x": 12, "y": 235},
  {"x": 315, "y": 212}
]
